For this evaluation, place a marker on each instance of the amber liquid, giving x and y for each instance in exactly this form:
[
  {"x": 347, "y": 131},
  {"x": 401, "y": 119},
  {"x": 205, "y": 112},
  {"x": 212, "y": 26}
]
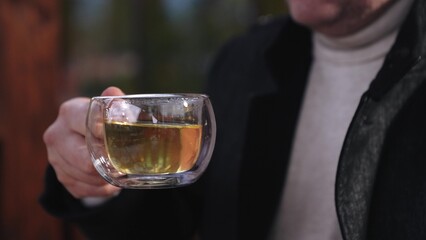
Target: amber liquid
[{"x": 152, "y": 148}]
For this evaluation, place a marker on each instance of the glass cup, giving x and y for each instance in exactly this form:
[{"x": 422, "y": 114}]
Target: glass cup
[{"x": 151, "y": 140}]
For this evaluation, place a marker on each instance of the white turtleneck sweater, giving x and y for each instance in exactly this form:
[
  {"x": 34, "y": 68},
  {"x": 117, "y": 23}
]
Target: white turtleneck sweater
[{"x": 341, "y": 72}]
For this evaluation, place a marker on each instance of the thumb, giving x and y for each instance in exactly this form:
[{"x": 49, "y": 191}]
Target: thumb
[{"x": 112, "y": 91}]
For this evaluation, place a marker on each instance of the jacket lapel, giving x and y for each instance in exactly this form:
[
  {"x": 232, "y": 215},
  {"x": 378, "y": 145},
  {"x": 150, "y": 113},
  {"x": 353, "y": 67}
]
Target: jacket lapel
[
  {"x": 272, "y": 118},
  {"x": 360, "y": 155}
]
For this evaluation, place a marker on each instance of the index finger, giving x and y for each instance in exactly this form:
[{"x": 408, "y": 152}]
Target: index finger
[{"x": 73, "y": 113}]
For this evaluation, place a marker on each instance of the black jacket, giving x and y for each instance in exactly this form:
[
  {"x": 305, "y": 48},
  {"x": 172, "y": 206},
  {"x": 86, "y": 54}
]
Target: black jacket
[{"x": 256, "y": 85}]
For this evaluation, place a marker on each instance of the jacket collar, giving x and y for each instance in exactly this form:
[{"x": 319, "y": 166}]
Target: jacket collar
[
  {"x": 287, "y": 59},
  {"x": 408, "y": 49},
  {"x": 289, "y": 55},
  {"x": 364, "y": 142},
  {"x": 292, "y": 47}
]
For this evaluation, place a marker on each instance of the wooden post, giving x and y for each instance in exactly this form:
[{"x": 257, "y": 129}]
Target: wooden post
[{"x": 30, "y": 72}]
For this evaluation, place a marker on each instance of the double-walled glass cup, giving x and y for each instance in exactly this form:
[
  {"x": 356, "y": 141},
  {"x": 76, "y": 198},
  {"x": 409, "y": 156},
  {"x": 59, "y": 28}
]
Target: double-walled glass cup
[{"x": 151, "y": 140}]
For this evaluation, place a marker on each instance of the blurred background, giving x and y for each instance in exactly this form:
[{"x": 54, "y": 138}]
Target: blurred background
[
  {"x": 151, "y": 45},
  {"x": 52, "y": 50}
]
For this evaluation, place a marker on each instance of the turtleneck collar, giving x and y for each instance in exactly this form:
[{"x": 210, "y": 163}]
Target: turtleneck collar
[{"x": 369, "y": 43}]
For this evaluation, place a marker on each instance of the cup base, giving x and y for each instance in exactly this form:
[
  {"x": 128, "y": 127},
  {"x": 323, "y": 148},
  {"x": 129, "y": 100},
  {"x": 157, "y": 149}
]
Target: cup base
[{"x": 150, "y": 182}]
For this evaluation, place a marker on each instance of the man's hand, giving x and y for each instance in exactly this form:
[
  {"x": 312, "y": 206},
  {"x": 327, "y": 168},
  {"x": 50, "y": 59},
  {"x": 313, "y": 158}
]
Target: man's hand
[{"x": 68, "y": 154}]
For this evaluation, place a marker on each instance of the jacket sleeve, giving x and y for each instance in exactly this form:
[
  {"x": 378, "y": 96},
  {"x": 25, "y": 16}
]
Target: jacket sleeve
[{"x": 134, "y": 214}]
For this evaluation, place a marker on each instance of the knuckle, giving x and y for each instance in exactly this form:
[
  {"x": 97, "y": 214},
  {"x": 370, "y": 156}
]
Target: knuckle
[
  {"x": 64, "y": 180},
  {"x": 75, "y": 193},
  {"x": 112, "y": 190},
  {"x": 81, "y": 192},
  {"x": 53, "y": 161},
  {"x": 65, "y": 108},
  {"x": 49, "y": 135},
  {"x": 72, "y": 187}
]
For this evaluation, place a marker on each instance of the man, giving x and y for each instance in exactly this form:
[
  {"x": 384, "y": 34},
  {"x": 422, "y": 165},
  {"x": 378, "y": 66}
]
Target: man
[{"x": 333, "y": 97}]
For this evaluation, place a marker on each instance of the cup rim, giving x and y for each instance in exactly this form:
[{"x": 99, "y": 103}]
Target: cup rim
[{"x": 155, "y": 95}]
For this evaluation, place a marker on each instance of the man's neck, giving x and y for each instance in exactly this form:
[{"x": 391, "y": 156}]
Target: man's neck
[{"x": 386, "y": 24}]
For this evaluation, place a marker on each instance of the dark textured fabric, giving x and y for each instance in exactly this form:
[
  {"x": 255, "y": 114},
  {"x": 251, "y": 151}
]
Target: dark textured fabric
[
  {"x": 366, "y": 148},
  {"x": 156, "y": 214},
  {"x": 256, "y": 86}
]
